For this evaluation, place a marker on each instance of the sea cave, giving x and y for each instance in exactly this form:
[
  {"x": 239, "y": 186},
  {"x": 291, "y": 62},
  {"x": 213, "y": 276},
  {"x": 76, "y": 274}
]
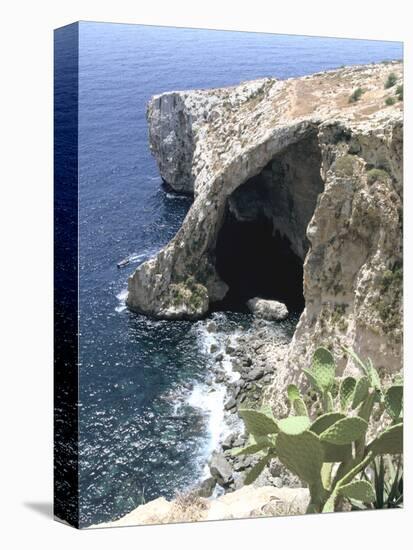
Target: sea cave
[{"x": 261, "y": 243}]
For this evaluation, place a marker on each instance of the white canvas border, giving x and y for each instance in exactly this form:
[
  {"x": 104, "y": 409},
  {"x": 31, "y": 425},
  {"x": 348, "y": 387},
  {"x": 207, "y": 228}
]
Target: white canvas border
[{"x": 26, "y": 275}]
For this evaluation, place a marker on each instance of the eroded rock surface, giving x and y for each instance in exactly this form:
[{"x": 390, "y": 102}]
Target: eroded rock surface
[
  {"x": 271, "y": 310},
  {"x": 220, "y": 468},
  {"x": 316, "y": 178},
  {"x": 247, "y": 502}
]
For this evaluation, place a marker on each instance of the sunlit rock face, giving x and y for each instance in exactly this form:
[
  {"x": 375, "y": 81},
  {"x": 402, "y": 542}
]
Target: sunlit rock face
[{"x": 297, "y": 198}]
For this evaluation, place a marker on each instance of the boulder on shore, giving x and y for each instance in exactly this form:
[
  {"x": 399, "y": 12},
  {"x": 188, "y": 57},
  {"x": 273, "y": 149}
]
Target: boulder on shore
[
  {"x": 206, "y": 487},
  {"x": 220, "y": 468},
  {"x": 271, "y": 310}
]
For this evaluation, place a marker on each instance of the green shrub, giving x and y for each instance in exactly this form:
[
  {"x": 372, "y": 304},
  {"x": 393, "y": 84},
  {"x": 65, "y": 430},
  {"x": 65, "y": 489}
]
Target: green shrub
[
  {"x": 376, "y": 174},
  {"x": 391, "y": 80},
  {"x": 310, "y": 447},
  {"x": 392, "y": 278},
  {"x": 390, "y": 101},
  {"x": 356, "y": 95},
  {"x": 399, "y": 92},
  {"x": 390, "y": 297},
  {"x": 346, "y": 164},
  {"x": 189, "y": 293}
]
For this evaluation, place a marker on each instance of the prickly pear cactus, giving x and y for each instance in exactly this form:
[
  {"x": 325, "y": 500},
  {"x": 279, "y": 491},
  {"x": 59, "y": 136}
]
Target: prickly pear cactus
[{"x": 309, "y": 447}]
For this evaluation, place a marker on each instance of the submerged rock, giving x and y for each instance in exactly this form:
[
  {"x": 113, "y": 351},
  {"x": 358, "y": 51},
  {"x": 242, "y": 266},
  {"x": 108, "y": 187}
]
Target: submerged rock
[
  {"x": 271, "y": 310},
  {"x": 211, "y": 326}
]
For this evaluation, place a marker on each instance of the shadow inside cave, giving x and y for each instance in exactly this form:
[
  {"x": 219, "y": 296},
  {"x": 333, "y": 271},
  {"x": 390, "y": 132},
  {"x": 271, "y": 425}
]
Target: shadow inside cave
[
  {"x": 256, "y": 261},
  {"x": 261, "y": 243}
]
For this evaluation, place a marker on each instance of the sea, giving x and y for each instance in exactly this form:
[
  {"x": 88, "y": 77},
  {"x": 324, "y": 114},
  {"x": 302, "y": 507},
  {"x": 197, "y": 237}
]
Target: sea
[{"x": 149, "y": 417}]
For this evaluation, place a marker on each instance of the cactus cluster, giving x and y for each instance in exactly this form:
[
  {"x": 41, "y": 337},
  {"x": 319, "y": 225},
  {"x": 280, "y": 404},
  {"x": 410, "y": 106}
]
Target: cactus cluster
[{"x": 330, "y": 452}]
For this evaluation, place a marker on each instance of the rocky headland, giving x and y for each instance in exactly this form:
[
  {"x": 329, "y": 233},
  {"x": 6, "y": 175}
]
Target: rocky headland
[
  {"x": 294, "y": 180},
  {"x": 325, "y": 173}
]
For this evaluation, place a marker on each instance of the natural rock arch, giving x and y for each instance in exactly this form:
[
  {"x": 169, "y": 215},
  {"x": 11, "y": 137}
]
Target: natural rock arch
[{"x": 261, "y": 244}]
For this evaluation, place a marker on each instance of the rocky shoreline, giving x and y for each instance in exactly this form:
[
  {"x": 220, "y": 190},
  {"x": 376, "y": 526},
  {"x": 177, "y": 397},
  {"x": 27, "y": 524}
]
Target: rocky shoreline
[{"x": 255, "y": 356}]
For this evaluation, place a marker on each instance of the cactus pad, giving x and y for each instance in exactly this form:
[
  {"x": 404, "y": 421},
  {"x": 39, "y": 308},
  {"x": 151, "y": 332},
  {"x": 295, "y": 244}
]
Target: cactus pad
[
  {"x": 393, "y": 401},
  {"x": 293, "y": 392},
  {"x": 257, "y": 423},
  {"x": 328, "y": 402},
  {"x": 294, "y": 425},
  {"x": 373, "y": 375},
  {"x": 389, "y": 442},
  {"x": 346, "y": 392},
  {"x": 251, "y": 449},
  {"x": 325, "y": 421},
  {"x": 296, "y": 400},
  {"x": 358, "y": 490},
  {"x": 300, "y": 407},
  {"x": 360, "y": 391},
  {"x": 367, "y": 368},
  {"x": 336, "y": 453},
  {"x": 332, "y": 453},
  {"x": 302, "y": 454},
  {"x": 345, "y": 431},
  {"x": 313, "y": 380},
  {"x": 356, "y": 359},
  {"x": 323, "y": 369},
  {"x": 256, "y": 470}
]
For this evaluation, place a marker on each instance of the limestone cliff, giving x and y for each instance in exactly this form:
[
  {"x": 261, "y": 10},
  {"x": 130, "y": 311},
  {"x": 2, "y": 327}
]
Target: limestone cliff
[{"x": 317, "y": 177}]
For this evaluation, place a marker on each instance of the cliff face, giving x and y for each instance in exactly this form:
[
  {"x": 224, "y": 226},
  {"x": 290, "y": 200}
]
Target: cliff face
[{"x": 297, "y": 197}]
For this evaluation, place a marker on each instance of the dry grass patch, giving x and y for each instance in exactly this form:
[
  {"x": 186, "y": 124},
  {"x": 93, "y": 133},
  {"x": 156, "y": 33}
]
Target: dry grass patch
[{"x": 187, "y": 507}]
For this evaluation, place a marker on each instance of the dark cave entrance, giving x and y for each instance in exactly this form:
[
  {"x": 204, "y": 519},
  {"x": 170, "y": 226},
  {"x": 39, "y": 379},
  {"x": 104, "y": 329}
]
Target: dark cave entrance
[
  {"x": 255, "y": 261},
  {"x": 261, "y": 244}
]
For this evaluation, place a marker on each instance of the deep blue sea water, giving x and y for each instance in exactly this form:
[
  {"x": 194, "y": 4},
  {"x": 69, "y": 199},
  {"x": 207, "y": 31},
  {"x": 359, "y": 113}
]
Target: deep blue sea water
[{"x": 144, "y": 432}]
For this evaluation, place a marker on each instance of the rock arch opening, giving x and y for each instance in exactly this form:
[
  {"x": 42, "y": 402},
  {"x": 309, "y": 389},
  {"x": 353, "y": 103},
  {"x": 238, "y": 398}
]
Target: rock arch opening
[{"x": 261, "y": 244}]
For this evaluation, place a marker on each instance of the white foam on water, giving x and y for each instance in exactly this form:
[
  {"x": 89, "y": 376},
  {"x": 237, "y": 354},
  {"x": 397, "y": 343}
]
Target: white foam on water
[
  {"x": 122, "y": 300},
  {"x": 133, "y": 258},
  {"x": 136, "y": 258},
  {"x": 211, "y": 398},
  {"x": 122, "y": 294},
  {"x": 179, "y": 197},
  {"x": 220, "y": 339}
]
